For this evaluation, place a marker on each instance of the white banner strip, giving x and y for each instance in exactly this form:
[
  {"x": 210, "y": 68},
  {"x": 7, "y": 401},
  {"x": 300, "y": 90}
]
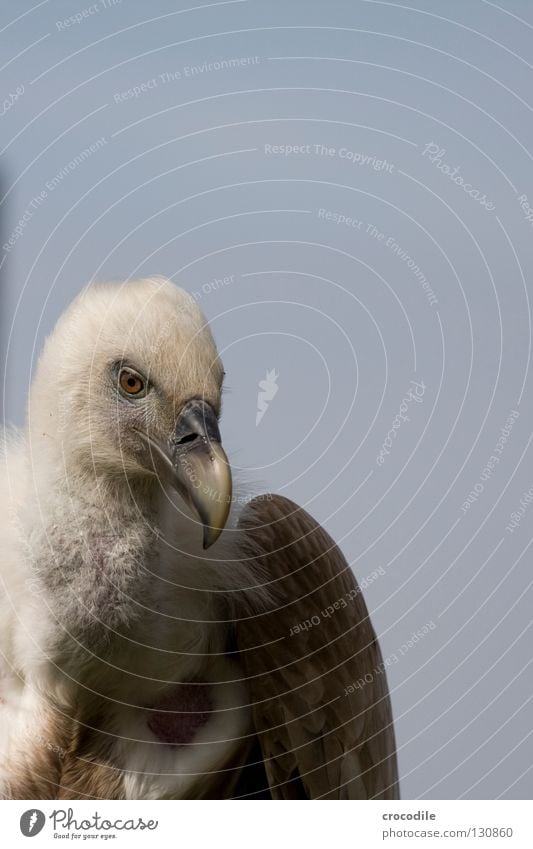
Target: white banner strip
[{"x": 256, "y": 825}]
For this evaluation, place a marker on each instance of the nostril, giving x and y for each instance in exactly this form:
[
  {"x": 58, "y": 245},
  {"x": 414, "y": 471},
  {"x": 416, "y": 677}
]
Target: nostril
[{"x": 190, "y": 437}]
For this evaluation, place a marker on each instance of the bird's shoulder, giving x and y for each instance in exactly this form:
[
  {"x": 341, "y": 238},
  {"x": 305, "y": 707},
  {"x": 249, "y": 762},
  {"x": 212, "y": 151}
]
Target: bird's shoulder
[
  {"x": 305, "y": 658},
  {"x": 277, "y": 529}
]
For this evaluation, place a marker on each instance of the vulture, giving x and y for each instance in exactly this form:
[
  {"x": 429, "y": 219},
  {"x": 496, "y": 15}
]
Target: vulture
[{"x": 163, "y": 636}]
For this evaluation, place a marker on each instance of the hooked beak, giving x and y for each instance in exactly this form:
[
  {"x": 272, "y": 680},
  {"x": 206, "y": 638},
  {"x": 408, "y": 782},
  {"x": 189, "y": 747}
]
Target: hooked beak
[{"x": 195, "y": 464}]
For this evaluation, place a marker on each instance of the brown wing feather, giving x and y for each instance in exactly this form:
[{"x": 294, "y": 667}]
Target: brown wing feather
[{"x": 320, "y": 698}]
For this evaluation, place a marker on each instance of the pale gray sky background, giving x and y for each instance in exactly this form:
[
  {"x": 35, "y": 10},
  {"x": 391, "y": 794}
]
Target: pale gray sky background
[{"x": 413, "y": 121}]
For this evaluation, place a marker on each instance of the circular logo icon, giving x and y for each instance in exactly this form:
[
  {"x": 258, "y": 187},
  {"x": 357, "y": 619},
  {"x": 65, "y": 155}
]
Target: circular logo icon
[{"x": 32, "y": 822}]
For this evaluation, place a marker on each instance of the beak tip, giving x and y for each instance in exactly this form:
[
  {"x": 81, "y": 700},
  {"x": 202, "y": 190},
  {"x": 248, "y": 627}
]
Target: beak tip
[
  {"x": 210, "y": 536},
  {"x": 201, "y": 472}
]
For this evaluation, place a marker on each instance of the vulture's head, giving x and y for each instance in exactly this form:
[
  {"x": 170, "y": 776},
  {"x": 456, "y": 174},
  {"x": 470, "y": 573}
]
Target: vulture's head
[{"x": 129, "y": 387}]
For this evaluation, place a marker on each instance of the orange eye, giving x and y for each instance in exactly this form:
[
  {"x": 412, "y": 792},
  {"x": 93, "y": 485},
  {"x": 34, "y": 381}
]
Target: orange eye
[{"x": 130, "y": 382}]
